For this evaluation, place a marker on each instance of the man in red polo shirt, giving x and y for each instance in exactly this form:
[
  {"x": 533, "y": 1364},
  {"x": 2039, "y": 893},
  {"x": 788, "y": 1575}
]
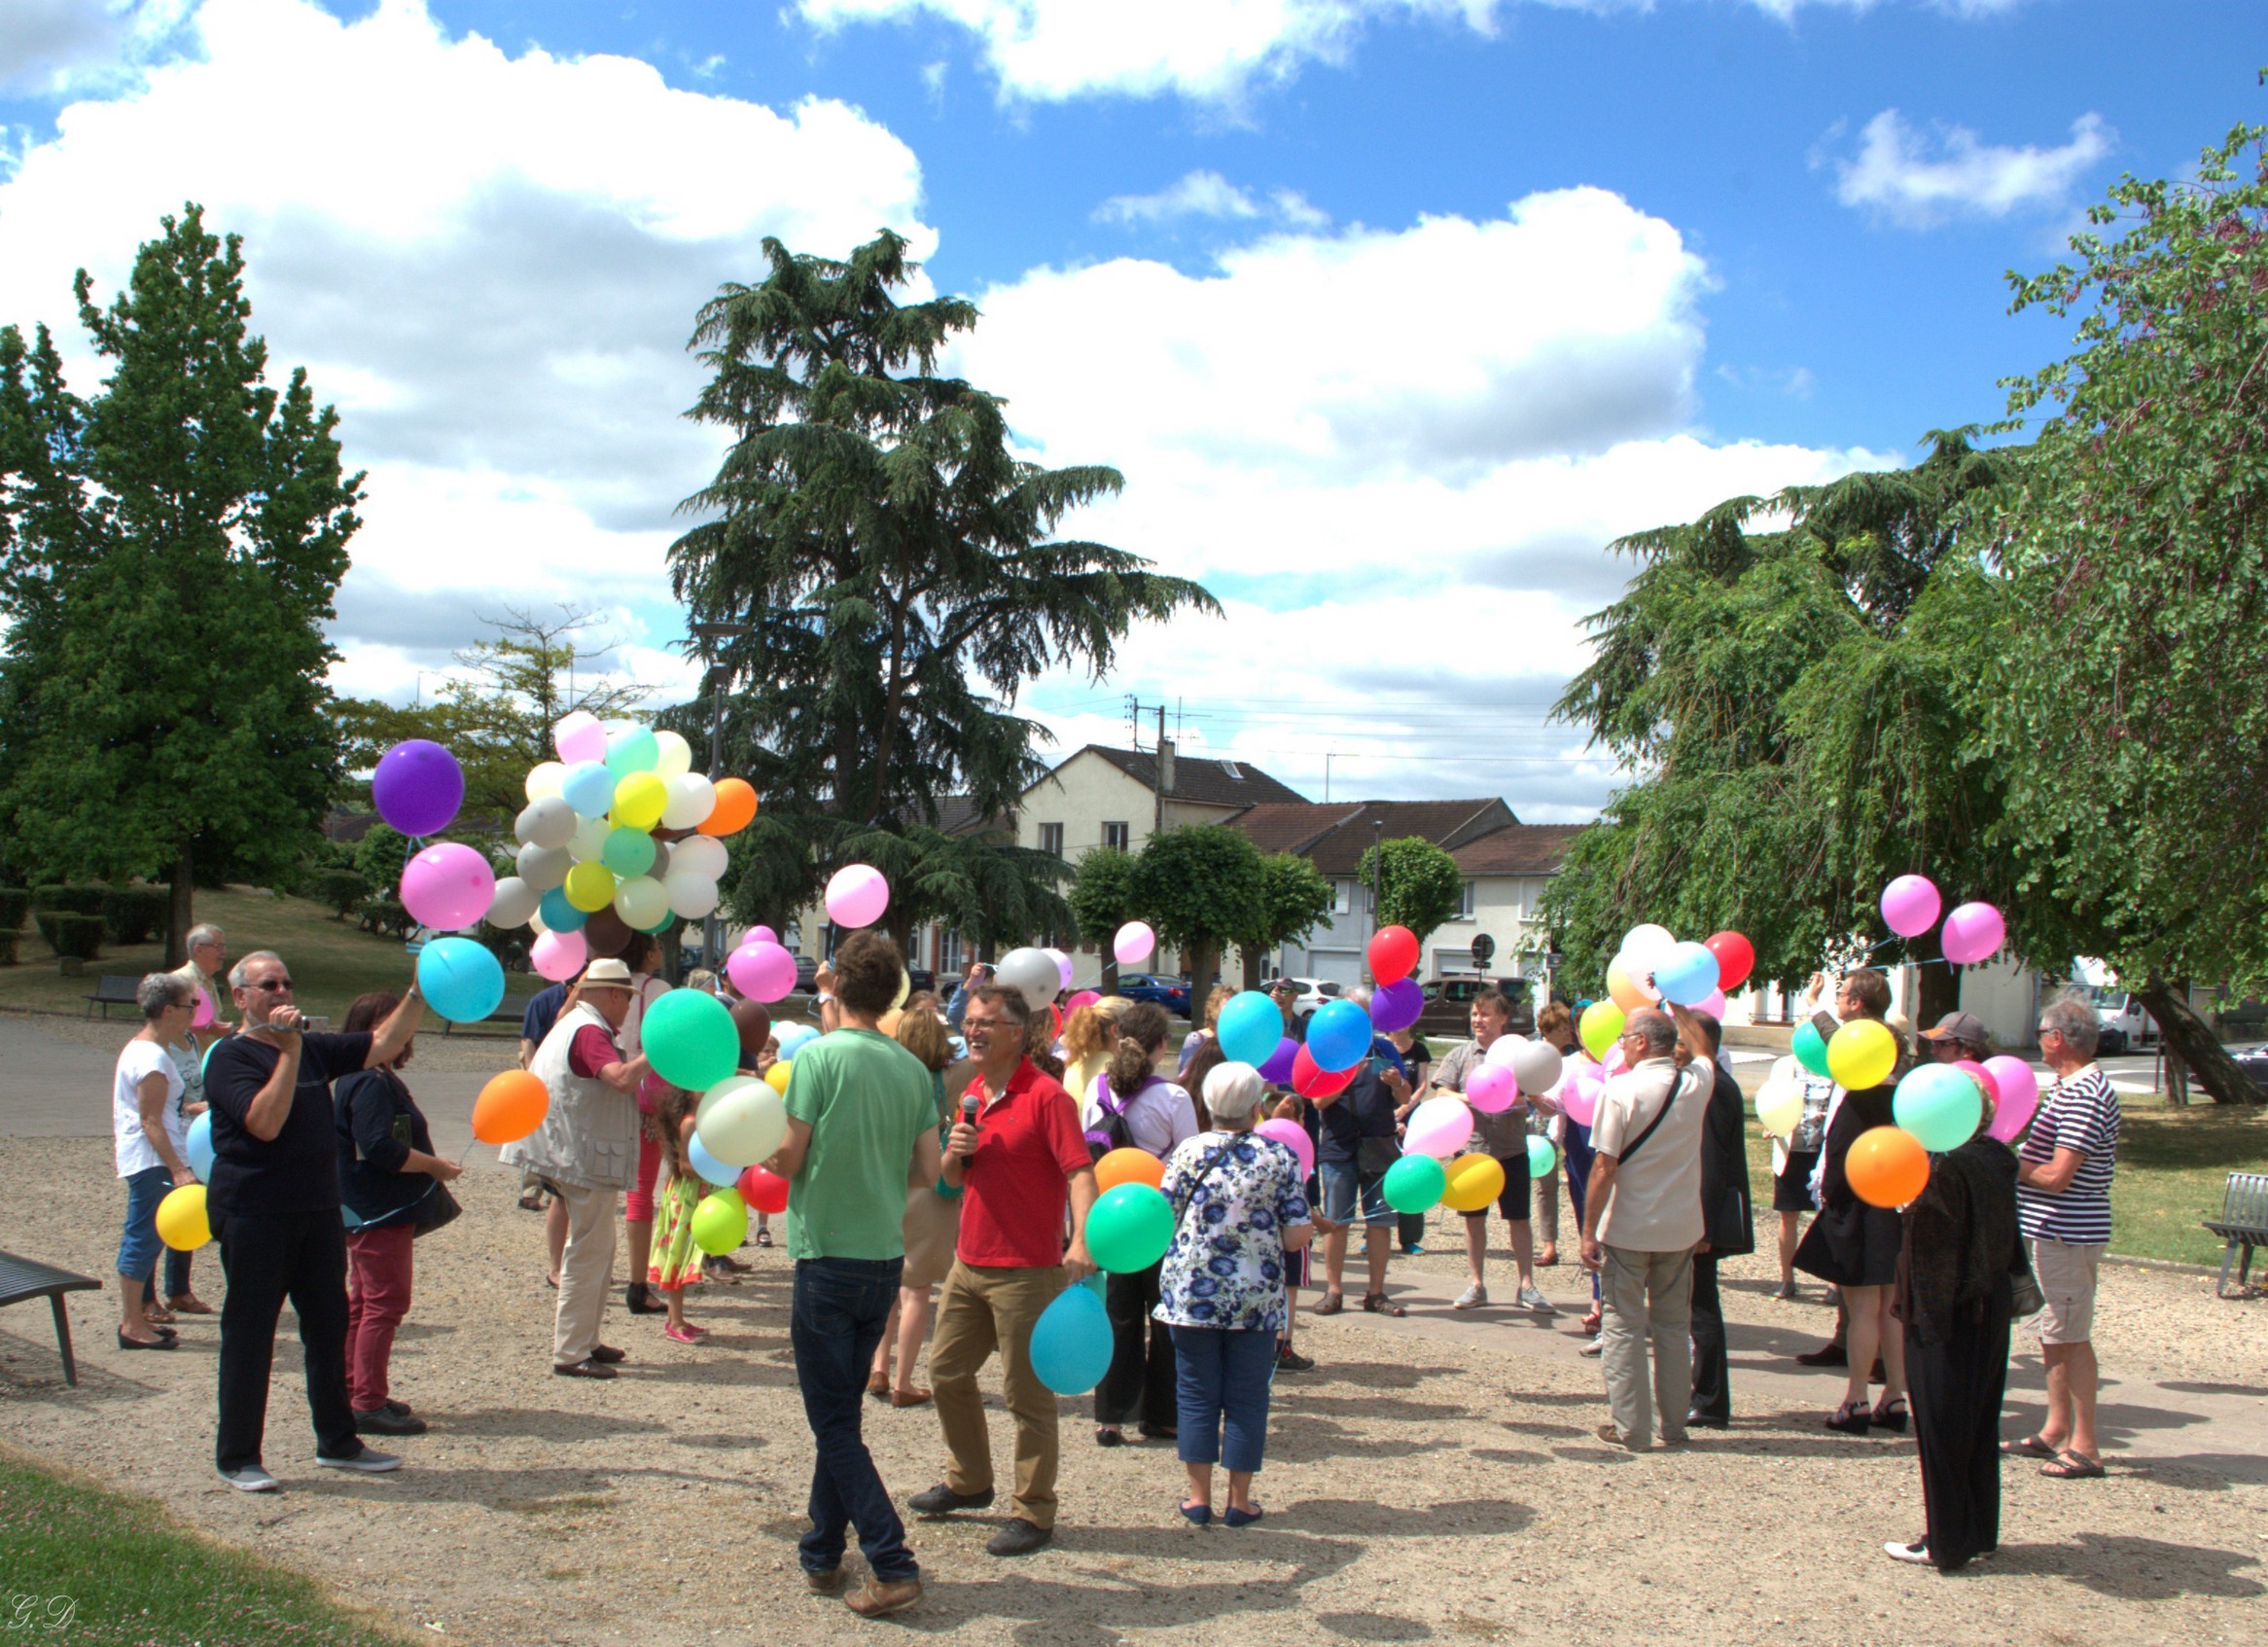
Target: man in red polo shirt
[{"x": 1020, "y": 1163}]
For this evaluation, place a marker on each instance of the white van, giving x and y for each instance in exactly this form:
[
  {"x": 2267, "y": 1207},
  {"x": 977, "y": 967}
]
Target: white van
[{"x": 2123, "y": 1026}]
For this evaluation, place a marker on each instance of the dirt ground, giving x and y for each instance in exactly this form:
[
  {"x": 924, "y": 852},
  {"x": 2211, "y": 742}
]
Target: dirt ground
[{"x": 1433, "y": 1479}]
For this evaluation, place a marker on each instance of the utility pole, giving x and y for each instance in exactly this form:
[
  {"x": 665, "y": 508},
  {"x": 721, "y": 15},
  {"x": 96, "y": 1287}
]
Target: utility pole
[
  {"x": 1377, "y": 870},
  {"x": 1159, "y": 822}
]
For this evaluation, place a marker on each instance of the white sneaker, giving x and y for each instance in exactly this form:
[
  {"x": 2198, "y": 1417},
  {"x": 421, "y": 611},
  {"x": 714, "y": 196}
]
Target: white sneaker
[
  {"x": 370, "y": 1461},
  {"x": 250, "y": 1478},
  {"x": 1532, "y": 1298},
  {"x": 1472, "y": 1298},
  {"x": 1917, "y": 1552}
]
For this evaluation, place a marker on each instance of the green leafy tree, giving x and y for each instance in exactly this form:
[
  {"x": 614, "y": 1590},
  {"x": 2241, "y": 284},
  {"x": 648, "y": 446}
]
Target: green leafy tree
[
  {"x": 886, "y": 560},
  {"x": 171, "y": 551},
  {"x": 1294, "y": 897},
  {"x": 1203, "y": 886},
  {"x": 993, "y": 890},
  {"x": 1419, "y": 885},
  {"x": 2127, "y": 704},
  {"x": 1102, "y": 901}
]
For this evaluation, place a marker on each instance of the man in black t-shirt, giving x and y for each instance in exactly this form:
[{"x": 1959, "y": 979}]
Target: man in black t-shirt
[{"x": 274, "y": 1204}]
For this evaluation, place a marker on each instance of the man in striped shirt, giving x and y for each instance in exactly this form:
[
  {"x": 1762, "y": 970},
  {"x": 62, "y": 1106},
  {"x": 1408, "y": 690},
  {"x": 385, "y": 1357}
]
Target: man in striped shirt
[{"x": 2062, "y": 1202}]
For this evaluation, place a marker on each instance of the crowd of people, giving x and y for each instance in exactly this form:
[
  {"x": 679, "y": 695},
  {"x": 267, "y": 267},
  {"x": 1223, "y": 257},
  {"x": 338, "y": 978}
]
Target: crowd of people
[{"x": 952, "y": 1146}]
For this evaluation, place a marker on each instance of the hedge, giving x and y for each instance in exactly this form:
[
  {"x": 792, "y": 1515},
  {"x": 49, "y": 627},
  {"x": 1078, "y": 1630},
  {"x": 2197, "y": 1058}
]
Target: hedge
[
  {"x": 67, "y": 900},
  {"x": 14, "y": 905},
  {"x": 136, "y": 914},
  {"x": 6, "y": 949},
  {"x": 69, "y": 934}
]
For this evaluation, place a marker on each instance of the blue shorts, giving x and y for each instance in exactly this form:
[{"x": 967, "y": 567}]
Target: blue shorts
[
  {"x": 1342, "y": 1183},
  {"x": 139, "y": 1246}
]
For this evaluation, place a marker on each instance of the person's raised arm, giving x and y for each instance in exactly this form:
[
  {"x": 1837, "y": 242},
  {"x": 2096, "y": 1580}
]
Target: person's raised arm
[
  {"x": 394, "y": 1034},
  {"x": 149, "y": 1101},
  {"x": 1689, "y": 1032},
  {"x": 625, "y": 1077}
]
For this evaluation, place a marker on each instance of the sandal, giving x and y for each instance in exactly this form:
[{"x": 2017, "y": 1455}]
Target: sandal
[
  {"x": 1331, "y": 1304},
  {"x": 2031, "y": 1446},
  {"x": 157, "y": 1315},
  {"x": 1892, "y": 1414},
  {"x": 2069, "y": 1466},
  {"x": 1377, "y": 1304}
]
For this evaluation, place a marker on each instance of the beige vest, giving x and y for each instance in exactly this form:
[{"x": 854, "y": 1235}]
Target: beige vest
[{"x": 590, "y": 1136}]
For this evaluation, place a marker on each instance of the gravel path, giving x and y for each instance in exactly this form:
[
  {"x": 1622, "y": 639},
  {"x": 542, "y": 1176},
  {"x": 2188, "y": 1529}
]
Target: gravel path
[{"x": 1435, "y": 1479}]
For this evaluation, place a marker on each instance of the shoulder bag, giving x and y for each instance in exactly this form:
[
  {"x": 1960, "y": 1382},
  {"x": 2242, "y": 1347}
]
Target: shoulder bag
[{"x": 1659, "y": 1116}]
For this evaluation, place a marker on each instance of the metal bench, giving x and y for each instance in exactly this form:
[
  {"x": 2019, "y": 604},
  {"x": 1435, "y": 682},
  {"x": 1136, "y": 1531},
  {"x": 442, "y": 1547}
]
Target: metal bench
[
  {"x": 113, "y": 989},
  {"x": 25, "y": 1277},
  {"x": 2244, "y": 1225}
]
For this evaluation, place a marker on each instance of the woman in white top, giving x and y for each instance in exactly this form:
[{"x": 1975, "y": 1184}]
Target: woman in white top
[{"x": 152, "y": 1139}]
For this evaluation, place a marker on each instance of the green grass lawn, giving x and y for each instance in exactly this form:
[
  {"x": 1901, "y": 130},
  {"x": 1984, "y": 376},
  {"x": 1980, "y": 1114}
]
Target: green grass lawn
[
  {"x": 82, "y": 1564},
  {"x": 331, "y": 961},
  {"x": 2173, "y": 1165}
]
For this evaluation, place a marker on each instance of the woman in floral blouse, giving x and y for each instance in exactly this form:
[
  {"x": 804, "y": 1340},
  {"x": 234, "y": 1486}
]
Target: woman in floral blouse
[{"x": 1238, "y": 1209}]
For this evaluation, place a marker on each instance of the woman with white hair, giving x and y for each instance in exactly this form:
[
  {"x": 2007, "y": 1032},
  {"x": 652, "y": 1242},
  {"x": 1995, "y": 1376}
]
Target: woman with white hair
[{"x": 1238, "y": 1208}]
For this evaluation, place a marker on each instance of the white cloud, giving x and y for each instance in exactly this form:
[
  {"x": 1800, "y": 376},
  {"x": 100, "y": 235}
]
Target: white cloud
[
  {"x": 1206, "y": 194},
  {"x": 55, "y": 46},
  {"x": 1905, "y": 178},
  {"x": 490, "y": 263}
]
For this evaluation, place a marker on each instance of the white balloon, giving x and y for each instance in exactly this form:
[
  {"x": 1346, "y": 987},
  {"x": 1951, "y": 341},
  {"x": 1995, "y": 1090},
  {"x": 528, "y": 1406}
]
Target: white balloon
[
  {"x": 543, "y": 781},
  {"x": 691, "y": 798},
  {"x": 1537, "y": 1064},
  {"x": 589, "y": 840},
  {"x": 542, "y": 867},
  {"x": 1645, "y": 946},
  {"x": 514, "y": 902},
  {"x": 690, "y": 896},
  {"x": 1032, "y": 974},
  {"x": 701, "y": 855},
  {"x": 642, "y": 903},
  {"x": 675, "y": 757},
  {"x": 549, "y": 822},
  {"x": 1504, "y": 1050},
  {"x": 741, "y": 1121},
  {"x": 536, "y": 923}
]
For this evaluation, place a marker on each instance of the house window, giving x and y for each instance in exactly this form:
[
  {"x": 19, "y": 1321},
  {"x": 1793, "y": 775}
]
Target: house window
[
  {"x": 1117, "y": 835},
  {"x": 1051, "y": 840},
  {"x": 1465, "y": 904},
  {"x": 1342, "y": 896}
]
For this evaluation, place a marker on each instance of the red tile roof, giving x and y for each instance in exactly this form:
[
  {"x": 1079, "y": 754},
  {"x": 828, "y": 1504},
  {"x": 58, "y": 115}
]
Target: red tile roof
[{"x": 1519, "y": 850}]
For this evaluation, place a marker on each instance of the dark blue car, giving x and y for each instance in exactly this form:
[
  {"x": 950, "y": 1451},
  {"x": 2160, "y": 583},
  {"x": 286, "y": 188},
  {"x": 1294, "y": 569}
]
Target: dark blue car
[{"x": 1165, "y": 993}]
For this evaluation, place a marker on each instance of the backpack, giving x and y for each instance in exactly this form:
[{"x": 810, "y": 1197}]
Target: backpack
[{"x": 1110, "y": 1131}]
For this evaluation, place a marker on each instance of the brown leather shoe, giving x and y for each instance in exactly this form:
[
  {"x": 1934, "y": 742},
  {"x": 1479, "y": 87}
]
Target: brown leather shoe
[
  {"x": 827, "y": 1583},
  {"x": 914, "y": 1397},
  {"x": 873, "y": 1599},
  {"x": 607, "y": 1355}
]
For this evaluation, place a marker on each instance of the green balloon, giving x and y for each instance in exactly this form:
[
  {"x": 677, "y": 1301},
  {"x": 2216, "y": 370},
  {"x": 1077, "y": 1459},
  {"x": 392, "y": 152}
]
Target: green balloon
[
  {"x": 635, "y": 750},
  {"x": 690, "y": 1036},
  {"x": 628, "y": 852},
  {"x": 1541, "y": 1157},
  {"x": 1415, "y": 1183},
  {"x": 1129, "y": 1229},
  {"x": 1810, "y": 1050},
  {"x": 720, "y": 1222}
]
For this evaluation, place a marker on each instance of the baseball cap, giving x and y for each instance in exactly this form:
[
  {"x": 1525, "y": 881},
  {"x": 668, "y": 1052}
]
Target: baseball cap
[{"x": 1958, "y": 1027}]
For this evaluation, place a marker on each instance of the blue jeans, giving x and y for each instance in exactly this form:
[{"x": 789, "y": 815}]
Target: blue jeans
[
  {"x": 1222, "y": 1381},
  {"x": 1344, "y": 1186},
  {"x": 138, "y": 1246},
  {"x": 842, "y": 1307}
]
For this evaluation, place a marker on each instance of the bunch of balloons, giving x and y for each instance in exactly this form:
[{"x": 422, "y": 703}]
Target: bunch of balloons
[
  {"x": 1397, "y": 998},
  {"x": 1652, "y": 966},
  {"x": 1973, "y": 932}
]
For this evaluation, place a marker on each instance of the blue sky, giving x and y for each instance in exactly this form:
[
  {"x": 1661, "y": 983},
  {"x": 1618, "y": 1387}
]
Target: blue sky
[{"x": 1393, "y": 312}]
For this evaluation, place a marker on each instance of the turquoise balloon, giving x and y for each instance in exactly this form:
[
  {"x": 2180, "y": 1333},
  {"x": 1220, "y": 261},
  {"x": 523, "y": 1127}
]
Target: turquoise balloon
[
  {"x": 1939, "y": 1105},
  {"x": 200, "y": 1143},
  {"x": 1415, "y": 1183},
  {"x": 559, "y": 915},
  {"x": 708, "y": 1166},
  {"x": 1810, "y": 1050},
  {"x": 1129, "y": 1229},
  {"x": 1541, "y": 1157},
  {"x": 634, "y": 751},
  {"x": 1249, "y": 1027},
  {"x": 690, "y": 1038},
  {"x": 1071, "y": 1342},
  {"x": 460, "y": 979},
  {"x": 627, "y": 852},
  {"x": 589, "y": 788}
]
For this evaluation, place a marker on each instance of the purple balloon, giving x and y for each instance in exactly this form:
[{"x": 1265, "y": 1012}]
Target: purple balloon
[
  {"x": 1397, "y": 1005},
  {"x": 418, "y": 787},
  {"x": 1278, "y": 1069}
]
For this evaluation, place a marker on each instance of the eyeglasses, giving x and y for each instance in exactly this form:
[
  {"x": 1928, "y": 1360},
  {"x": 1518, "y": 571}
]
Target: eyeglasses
[{"x": 274, "y": 985}]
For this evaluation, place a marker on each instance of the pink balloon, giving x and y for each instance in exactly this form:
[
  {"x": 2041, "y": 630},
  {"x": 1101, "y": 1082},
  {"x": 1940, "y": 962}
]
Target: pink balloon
[
  {"x": 762, "y": 971},
  {"x": 2017, "y": 1096},
  {"x": 203, "y": 1014},
  {"x": 1492, "y": 1088},
  {"x": 1579, "y": 1096},
  {"x": 1294, "y": 1137},
  {"x": 578, "y": 736},
  {"x": 559, "y": 956},
  {"x": 1439, "y": 1127},
  {"x": 1084, "y": 998},
  {"x": 1614, "y": 1058},
  {"x": 760, "y": 935},
  {"x": 1136, "y": 942},
  {"x": 1712, "y": 1007},
  {"x": 448, "y": 886},
  {"x": 856, "y": 895},
  {"x": 1910, "y": 904},
  {"x": 1063, "y": 967},
  {"x": 1973, "y": 932}
]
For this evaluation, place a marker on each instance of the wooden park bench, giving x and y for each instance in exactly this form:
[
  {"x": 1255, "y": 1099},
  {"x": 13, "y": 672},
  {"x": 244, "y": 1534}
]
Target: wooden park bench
[
  {"x": 505, "y": 1013},
  {"x": 2243, "y": 1224},
  {"x": 112, "y": 989},
  {"x": 23, "y": 1277}
]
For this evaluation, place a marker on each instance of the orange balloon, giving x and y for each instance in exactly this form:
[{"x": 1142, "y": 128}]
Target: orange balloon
[
  {"x": 1624, "y": 990},
  {"x": 1129, "y": 1166},
  {"x": 734, "y": 810},
  {"x": 510, "y": 1107},
  {"x": 1887, "y": 1166}
]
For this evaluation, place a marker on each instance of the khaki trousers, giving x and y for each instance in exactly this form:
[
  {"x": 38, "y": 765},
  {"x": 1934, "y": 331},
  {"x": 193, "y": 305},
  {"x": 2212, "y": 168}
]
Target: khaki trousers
[
  {"x": 586, "y": 1269},
  {"x": 981, "y": 1310},
  {"x": 1648, "y": 1296}
]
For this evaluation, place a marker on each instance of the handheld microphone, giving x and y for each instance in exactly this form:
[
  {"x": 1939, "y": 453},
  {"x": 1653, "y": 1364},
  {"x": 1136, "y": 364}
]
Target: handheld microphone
[{"x": 968, "y": 1104}]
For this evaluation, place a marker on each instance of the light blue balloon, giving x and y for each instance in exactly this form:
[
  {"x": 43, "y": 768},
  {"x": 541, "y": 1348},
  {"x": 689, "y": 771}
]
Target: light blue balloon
[
  {"x": 1071, "y": 1343},
  {"x": 199, "y": 1145},
  {"x": 460, "y": 979},
  {"x": 1338, "y": 1036},
  {"x": 1687, "y": 975},
  {"x": 794, "y": 1038},
  {"x": 1939, "y": 1105},
  {"x": 1249, "y": 1027},
  {"x": 710, "y": 1168},
  {"x": 559, "y": 915},
  {"x": 590, "y": 788},
  {"x": 636, "y": 750}
]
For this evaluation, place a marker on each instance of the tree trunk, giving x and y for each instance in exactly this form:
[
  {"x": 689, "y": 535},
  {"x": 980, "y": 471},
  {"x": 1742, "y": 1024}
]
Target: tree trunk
[
  {"x": 1937, "y": 985},
  {"x": 1202, "y": 958},
  {"x": 1110, "y": 983},
  {"x": 180, "y": 910},
  {"x": 2193, "y": 1039},
  {"x": 1252, "y": 965}
]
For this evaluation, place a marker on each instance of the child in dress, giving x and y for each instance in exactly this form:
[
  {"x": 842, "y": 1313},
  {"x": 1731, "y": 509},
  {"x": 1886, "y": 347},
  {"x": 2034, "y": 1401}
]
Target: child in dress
[{"x": 676, "y": 1264}]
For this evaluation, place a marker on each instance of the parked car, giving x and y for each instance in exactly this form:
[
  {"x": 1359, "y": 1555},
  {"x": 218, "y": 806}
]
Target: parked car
[
  {"x": 1166, "y": 992},
  {"x": 1449, "y": 1009},
  {"x": 2253, "y": 1062},
  {"x": 1313, "y": 993}
]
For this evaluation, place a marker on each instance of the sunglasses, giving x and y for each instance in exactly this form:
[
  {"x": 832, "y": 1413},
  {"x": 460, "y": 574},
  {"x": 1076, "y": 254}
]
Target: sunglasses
[{"x": 274, "y": 985}]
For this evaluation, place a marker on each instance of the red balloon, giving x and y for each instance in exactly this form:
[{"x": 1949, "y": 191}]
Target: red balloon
[
  {"x": 1393, "y": 951},
  {"x": 762, "y": 1191},
  {"x": 1311, "y": 1081},
  {"x": 1736, "y": 959}
]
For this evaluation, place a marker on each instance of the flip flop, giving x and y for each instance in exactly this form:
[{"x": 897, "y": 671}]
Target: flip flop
[
  {"x": 2031, "y": 1446},
  {"x": 2069, "y": 1466}
]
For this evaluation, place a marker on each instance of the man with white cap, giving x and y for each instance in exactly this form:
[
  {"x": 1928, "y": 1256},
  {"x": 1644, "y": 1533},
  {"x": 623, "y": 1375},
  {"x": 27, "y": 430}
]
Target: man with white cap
[{"x": 586, "y": 1150}]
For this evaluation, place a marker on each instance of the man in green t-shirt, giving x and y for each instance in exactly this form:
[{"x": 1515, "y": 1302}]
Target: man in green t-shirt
[{"x": 862, "y": 1131}]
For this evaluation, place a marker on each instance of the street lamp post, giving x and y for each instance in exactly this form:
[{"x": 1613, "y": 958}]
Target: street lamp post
[{"x": 712, "y": 634}]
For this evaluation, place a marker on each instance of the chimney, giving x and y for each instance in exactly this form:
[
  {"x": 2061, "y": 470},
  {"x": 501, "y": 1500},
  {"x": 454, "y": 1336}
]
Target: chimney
[{"x": 1165, "y": 765}]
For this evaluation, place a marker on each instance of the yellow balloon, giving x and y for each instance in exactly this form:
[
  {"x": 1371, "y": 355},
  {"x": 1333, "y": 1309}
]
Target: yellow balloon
[
  {"x": 1779, "y": 1107},
  {"x": 1475, "y": 1181},
  {"x": 591, "y": 887},
  {"x": 777, "y": 1076},
  {"x": 1624, "y": 989},
  {"x": 181, "y": 1218},
  {"x": 1602, "y": 1026},
  {"x": 1861, "y": 1054},
  {"x": 639, "y": 800}
]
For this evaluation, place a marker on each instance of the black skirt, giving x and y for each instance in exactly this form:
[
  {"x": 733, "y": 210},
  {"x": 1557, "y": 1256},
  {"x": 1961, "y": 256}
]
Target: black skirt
[
  {"x": 1852, "y": 1245},
  {"x": 1791, "y": 1188}
]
